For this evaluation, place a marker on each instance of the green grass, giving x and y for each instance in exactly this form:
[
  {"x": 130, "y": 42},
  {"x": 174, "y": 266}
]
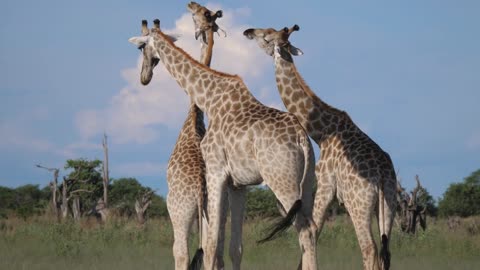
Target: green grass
[{"x": 40, "y": 244}]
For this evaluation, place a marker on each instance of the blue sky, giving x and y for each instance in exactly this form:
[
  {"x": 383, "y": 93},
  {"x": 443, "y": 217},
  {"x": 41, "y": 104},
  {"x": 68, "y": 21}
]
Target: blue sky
[{"x": 406, "y": 72}]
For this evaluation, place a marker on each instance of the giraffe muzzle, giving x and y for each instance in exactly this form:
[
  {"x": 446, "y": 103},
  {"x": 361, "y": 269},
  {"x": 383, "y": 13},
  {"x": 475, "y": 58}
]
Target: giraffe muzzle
[{"x": 248, "y": 33}]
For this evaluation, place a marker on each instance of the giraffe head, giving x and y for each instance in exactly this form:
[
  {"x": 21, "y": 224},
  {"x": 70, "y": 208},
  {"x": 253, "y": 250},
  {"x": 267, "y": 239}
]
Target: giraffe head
[
  {"x": 146, "y": 45},
  {"x": 273, "y": 41},
  {"x": 204, "y": 19}
]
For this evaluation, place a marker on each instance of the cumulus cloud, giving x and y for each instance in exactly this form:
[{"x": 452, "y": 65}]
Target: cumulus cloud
[
  {"x": 15, "y": 137},
  {"x": 135, "y": 113}
]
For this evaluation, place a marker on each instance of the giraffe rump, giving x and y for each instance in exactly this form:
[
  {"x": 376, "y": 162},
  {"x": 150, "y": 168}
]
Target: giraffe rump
[{"x": 283, "y": 224}]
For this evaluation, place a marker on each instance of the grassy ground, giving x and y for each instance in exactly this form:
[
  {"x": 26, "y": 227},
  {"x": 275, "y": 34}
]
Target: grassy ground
[{"x": 40, "y": 244}]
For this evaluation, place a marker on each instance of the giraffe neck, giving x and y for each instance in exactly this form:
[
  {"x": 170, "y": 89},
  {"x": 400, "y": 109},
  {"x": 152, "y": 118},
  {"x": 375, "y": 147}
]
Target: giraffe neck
[
  {"x": 194, "y": 124},
  {"x": 204, "y": 85},
  {"x": 195, "y": 115},
  {"x": 317, "y": 117},
  {"x": 206, "y": 51}
]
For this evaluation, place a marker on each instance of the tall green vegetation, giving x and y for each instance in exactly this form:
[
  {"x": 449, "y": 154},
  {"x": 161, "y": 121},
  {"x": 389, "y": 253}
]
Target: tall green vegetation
[
  {"x": 24, "y": 201},
  {"x": 261, "y": 202},
  {"x": 462, "y": 199},
  {"x": 120, "y": 244}
]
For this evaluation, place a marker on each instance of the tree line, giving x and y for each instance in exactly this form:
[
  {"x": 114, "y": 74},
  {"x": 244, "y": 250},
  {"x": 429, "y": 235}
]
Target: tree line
[
  {"x": 78, "y": 195},
  {"x": 82, "y": 193}
]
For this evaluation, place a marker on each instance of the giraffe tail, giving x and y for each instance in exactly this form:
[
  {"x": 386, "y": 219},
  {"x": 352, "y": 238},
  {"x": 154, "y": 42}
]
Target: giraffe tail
[
  {"x": 197, "y": 260},
  {"x": 386, "y": 206},
  {"x": 283, "y": 224},
  {"x": 384, "y": 250}
]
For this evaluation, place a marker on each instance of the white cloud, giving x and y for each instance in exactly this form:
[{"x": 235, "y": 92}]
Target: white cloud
[
  {"x": 17, "y": 136},
  {"x": 133, "y": 115}
]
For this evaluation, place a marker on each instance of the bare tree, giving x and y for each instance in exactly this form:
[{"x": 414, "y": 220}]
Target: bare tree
[
  {"x": 106, "y": 178},
  {"x": 141, "y": 205},
  {"x": 68, "y": 193},
  {"x": 102, "y": 210},
  {"x": 410, "y": 211},
  {"x": 53, "y": 188},
  {"x": 102, "y": 205},
  {"x": 77, "y": 214}
]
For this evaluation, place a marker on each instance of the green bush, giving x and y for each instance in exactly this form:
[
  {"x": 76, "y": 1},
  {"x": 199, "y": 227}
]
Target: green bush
[{"x": 462, "y": 199}]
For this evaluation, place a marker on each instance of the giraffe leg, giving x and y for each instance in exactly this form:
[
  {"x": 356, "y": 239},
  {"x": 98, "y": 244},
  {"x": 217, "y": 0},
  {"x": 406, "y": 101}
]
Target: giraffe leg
[
  {"x": 216, "y": 186},
  {"x": 326, "y": 186},
  {"x": 362, "y": 220},
  {"x": 237, "y": 206},
  {"x": 220, "y": 263},
  {"x": 285, "y": 182},
  {"x": 182, "y": 217}
]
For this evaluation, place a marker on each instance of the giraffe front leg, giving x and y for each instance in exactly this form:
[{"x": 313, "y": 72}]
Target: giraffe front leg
[
  {"x": 216, "y": 188},
  {"x": 220, "y": 263},
  {"x": 237, "y": 206}
]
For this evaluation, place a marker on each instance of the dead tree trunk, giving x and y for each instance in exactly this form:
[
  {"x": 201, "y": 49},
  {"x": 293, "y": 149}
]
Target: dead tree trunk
[
  {"x": 68, "y": 194},
  {"x": 410, "y": 213},
  {"x": 141, "y": 205},
  {"x": 102, "y": 210},
  {"x": 106, "y": 178},
  {"x": 76, "y": 208},
  {"x": 54, "y": 190},
  {"x": 64, "y": 203}
]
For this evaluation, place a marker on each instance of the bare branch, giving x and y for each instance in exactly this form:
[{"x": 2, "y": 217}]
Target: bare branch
[
  {"x": 80, "y": 190},
  {"x": 46, "y": 168}
]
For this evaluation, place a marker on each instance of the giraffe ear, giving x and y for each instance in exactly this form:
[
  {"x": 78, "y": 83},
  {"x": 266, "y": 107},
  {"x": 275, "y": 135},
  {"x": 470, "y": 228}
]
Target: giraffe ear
[
  {"x": 139, "y": 41},
  {"x": 294, "y": 50}
]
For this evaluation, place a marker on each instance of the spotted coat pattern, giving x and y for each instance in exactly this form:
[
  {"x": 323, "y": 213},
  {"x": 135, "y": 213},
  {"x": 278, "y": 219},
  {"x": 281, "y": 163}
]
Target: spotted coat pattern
[
  {"x": 246, "y": 143},
  {"x": 351, "y": 165},
  {"x": 186, "y": 167}
]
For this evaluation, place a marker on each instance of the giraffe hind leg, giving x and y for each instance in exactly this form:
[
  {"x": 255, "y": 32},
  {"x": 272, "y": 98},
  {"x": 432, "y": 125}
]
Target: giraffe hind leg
[
  {"x": 362, "y": 221},
  {"x": 326, "y": 187},
  {"x": 237, "y": 206},
  {"x": 182, "y": 222}
]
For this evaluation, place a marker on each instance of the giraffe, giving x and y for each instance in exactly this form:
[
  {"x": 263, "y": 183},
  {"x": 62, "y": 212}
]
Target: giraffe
[
  {"x": 186, "y": 168},
  {"x": 351, "y": 165},
  {"x": 205, "y": 26},
  {"x": 246, "y": 143}
]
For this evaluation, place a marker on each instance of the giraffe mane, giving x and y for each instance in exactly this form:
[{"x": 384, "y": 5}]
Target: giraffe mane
[{"x": 194, "y": 61}]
